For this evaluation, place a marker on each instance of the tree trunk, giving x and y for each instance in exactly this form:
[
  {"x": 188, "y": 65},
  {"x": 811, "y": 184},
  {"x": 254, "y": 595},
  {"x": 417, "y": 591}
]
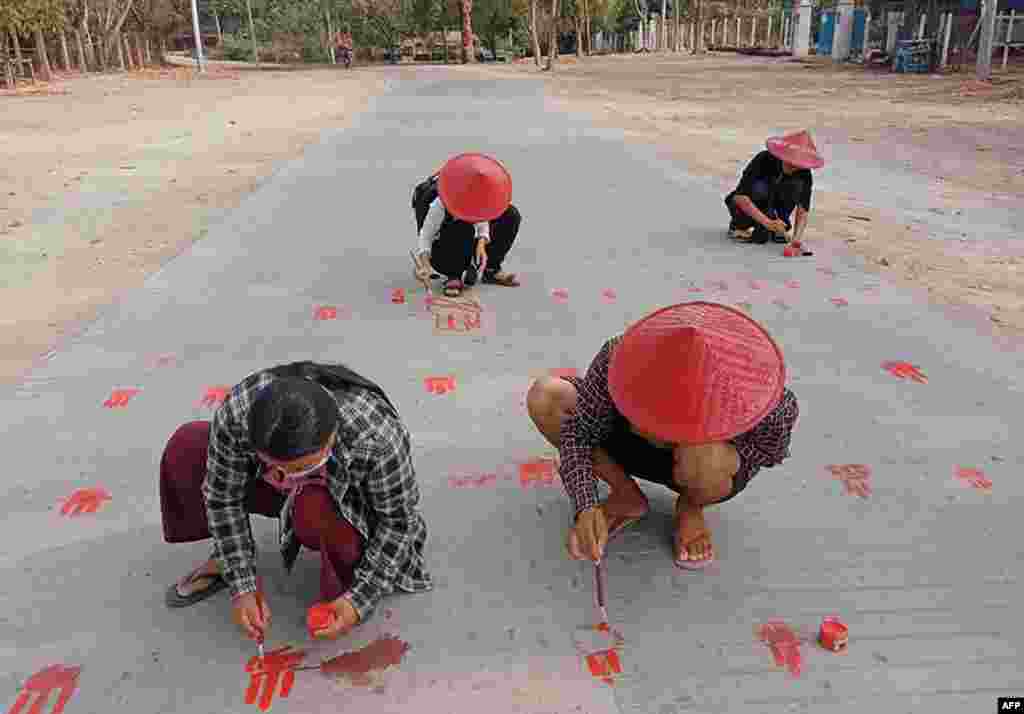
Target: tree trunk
[
  {"x": 82, "y": 65},
  {"x": 552, "y": 48},
  {"x": 534, "y": 11},
  {"x": 129, "y": 55},
  {"x": 578, "y": 25},
  {"x": 17, "y": 47},
  {"x": 586, "y": 28},
  {"x": 468, "y": 48},
  {"x": 42, "y": 57},
  {"x": 444, "y": 30},
  {"x": 330, "y": 37},
  {"x": 163, "y": 50},
  {"x": 220, "y": 32},
  {"x": 252, "y": 32},
  {"x": 678, "y": 39},
  {"x": 112, "y": 31},
  {"x": 65, "y": 55},
  {"x": 149, "y": 52},
  {"x": 120, "y": 53},
  {"x": 86, "y": 36},
  {"x": 664, "y": 25}
]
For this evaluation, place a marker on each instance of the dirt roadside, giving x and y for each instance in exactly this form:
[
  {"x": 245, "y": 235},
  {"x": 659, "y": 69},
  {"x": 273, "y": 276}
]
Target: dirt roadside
[
  {"x": 105, "y": 178},
  {"x": 926, "y": 173}
]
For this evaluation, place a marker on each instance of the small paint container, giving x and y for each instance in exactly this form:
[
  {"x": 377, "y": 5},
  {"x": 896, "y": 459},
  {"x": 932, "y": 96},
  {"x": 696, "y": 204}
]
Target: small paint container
[
  {"x": 319, "y": 616},
  {"x": 834, "y": 635}
]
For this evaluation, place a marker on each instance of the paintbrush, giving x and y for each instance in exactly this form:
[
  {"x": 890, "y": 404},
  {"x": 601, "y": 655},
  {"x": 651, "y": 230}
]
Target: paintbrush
[
  {"x": 416, "y": 267},
  {"x": 599, "y": 589}
]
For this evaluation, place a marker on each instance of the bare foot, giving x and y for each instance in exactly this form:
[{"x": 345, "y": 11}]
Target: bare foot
[
  {"x": 692, "y": 537},
  {"x": 199, "y": 579}
]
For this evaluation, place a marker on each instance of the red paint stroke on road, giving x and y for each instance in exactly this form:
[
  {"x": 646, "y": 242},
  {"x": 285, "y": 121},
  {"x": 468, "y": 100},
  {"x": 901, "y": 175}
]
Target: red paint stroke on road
[
  {"x": 439, "y": 385},
  {"x": 162, "y": 360},
  {"x": 827, "y": 272},
  {"x": 604, "y": 665},
  {"x": 85, "y": 500},
  {"x": 973, "y": 477},
  {"x": 755, "y": 284},
  {"x": 833, "y": 635},
  {"x": 275, "y": 666},
  {"x": 481, "y": 481},
  {"x": 398, "y": 296},
  {"x": 539, "y": 473},
  {"x": 560, "y": 295},
  {"x": 839, "y": 302},
  {"x": 695, "y": 289},
  {"x": 856, "y": 478},
  {"x": 905, "y": 370},
  {"x": 214, "y": 396},
  {"x": 784, "y": 645},
  {"x": 40, "y": 684},
  {"x": 609, "y": 295},
  {"x": 720, "y": 285},
  {"x": 119, "y": 398},
  {"x": 325, "y": 312},
  {"x": 794, "y": 284},
  {"x": 387, "y": 651}
]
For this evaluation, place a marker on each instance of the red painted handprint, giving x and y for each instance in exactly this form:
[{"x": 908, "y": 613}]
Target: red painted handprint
[
  {"x": 439, "y": 385},
  {"x": 973, "y": 477},
  {"x": 539, "y": 472},
  {"x": 56, "y": 676},
  {"x": 276, "y": 665},
  {"x": 784, "y": 644},
  {"x": 214, "y": 396},
  {"x": 85, "y": 500},
  {"x": 855, "y": 477},
  {"x": 325, "y": 312},
  {"x": 905, "y": 370},
  {"x": 120, "y": 398}
]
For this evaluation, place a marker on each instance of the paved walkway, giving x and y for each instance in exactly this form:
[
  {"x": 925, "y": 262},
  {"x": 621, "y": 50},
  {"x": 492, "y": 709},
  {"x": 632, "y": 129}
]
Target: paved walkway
[{"x": 925, "y": 571}]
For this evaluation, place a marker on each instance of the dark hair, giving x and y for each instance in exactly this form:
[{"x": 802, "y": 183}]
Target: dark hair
[{"x": 291, "y": 418}]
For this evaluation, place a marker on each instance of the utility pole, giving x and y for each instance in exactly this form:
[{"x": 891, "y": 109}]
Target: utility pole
[
  {"x": 198, "y": 36},
  {"x": 987, "y": 22}
]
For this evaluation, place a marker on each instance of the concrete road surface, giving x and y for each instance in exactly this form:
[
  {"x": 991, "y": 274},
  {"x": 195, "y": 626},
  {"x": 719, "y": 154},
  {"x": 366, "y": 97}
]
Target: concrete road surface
[{"x": 926, "y": 571}]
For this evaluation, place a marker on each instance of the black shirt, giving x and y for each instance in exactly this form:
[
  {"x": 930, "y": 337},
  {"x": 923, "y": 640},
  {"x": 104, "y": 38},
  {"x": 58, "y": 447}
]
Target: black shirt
[{"x": 767, "y": 167}]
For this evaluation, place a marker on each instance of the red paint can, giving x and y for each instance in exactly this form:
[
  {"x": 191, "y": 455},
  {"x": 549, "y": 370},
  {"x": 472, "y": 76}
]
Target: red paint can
[
  {"x": 834, "y": 635},
  {"x": 319, "y": 617}
]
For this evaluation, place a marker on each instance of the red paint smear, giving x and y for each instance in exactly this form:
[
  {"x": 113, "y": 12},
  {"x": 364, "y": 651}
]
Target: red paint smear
[
  {"x": 276, "y": 666},
  {"x": 973, "y": 477},
  {"x": 717, "y": 285},
  {"x": 164, "y": 360},
  {"x": 609, "y": 295},
  {"x": 833, "y": 635},
  {"x": 439, "y": 385},
  {"x": 839, "y": 302},
  {"x": 695, "y": 289},
  {"x": 398, "y": 296},
  {"x": 326, "y": 312},
  {"x": 905, "y": 370},
  {"x": 755, "y": 284},
  {"x": 380, "y": 654},
  {"x": 855, "y": 477},
  {"x": 214, "y": 396},
  {"x": 120, "y": 398},
  {"x": 539, "y": 472},
  {"x": 828, "y": 272},
  {"x": 85, "y": 500},
  {"x": 793, "y": 284},
  {"x": 481, "y": 481},
  {"x": 560, "y": 294},
  {"x": 42, "y": 683},
  {"x": 784, "y": 645}
]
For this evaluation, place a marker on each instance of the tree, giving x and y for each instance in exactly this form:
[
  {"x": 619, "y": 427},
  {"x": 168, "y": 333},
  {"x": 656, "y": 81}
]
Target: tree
[
  {"x": 493, "y": 19},
  {"x": 534, "y": 36},
  {"x": 468, "y": 49},
  {"x": 553, "y": 40}
]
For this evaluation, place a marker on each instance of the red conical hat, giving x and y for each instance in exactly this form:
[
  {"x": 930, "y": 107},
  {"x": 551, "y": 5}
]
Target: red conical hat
[
  {"x": 475, "y": 188},
  {"x": 695, "y": 373},
  {"x": 797, "y": 149}
]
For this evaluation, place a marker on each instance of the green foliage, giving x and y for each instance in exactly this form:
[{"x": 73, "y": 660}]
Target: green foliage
[
  {"x": 236, "y": 49},
  {"x": 492, "y": 20},
  {"x": 26, "y": 16}
]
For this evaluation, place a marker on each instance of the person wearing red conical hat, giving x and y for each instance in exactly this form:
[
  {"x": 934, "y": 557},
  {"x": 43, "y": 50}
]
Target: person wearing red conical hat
[
  {"x": 774, "y": 192},
  {"x": 691, "y": 397},
  {"x": 466, "y": 223}
]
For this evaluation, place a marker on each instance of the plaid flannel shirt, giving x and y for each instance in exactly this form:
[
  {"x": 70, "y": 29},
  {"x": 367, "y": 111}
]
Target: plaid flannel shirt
[
  {"x": 587, "y": 427},
  {"x": 370, "y": 477}
]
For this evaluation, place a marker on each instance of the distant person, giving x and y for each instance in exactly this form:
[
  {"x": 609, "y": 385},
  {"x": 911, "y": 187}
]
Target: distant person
[
  {"x": 691, "y": 397},
  {"x": 466, "y": 223},
  {"x": 344, "y": 48},
  {"x": 776, "y": 187},
  {"x": 321, "y": 449}
]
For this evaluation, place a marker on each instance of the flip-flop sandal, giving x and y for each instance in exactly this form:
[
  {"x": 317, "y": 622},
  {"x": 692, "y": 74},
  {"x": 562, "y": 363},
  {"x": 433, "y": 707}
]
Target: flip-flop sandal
[
  {"x": 691, "y": 564},
  {"x": 453, "y": 288},
  {"x": 507, "y": 280},
  {"x": 175, "y": 599}
]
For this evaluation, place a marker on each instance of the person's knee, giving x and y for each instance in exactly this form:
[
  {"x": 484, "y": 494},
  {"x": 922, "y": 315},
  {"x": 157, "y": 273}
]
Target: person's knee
[
  {"x": 548, "y": 399},
  {"x": 760, "y": 192},
  {"x": 706, "y": 470}
]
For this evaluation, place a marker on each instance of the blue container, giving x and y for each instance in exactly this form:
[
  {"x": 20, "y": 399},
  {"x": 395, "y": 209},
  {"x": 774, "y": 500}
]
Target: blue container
[
  {"x": 825, "y": 34},
  {"x": 860, "y": 18}
]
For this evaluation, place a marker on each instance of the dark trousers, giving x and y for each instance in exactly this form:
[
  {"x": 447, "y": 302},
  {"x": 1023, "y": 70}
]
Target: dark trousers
[
  {"x": 774, "y": 199},
  {"x": 318, "y": 525},
  {"x": 454, "y": 251}
]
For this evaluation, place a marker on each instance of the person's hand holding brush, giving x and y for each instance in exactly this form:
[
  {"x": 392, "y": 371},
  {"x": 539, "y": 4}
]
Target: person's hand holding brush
[{"x": 589, "y": 536}]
